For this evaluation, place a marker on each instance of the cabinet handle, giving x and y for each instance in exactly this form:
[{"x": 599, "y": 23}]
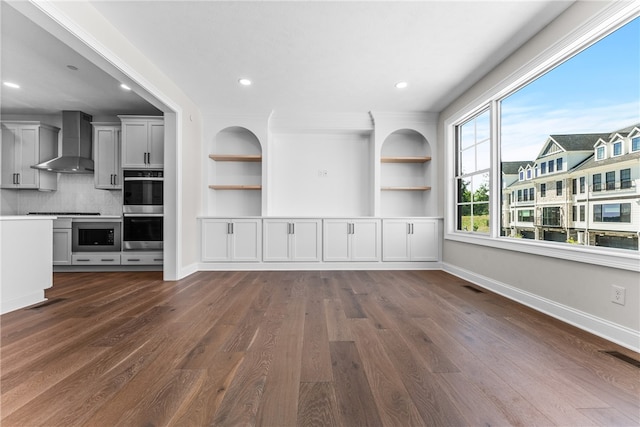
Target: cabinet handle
[
  {"x": 133, "y": 259},
  {"x": 353, "y": 229},
  {"x": 158, "y": 259},
  {"x": 412, "y": 228},
  {"x": 231, "y": 228},
  {"x": 293, "y": 228},
  {"x": 84, "y": 260},
  {"x": 14, "y": 178},
  {"x": 107, "y": 259},
  {"x": 17, "y": 179}
]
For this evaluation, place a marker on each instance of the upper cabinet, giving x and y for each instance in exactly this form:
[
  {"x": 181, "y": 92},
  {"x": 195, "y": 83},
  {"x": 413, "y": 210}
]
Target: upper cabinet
[
  {"x": 106, "y": 155},
  {"x": 142, "y": 142},
  {"x": 235, "y": 173},
  {"x": 405, "y": 174},
  {"x": 25, "y": 144}
]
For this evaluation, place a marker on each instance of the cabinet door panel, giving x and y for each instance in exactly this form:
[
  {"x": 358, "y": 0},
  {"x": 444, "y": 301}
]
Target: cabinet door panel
[
  {"x": 61, "y": 247},
  {"x": 335, "y": 242},
  {"x": 395, "y": 241},
  {"x": 424, "y": 242},
  {"x": 156, "y": 145},
  {"x": 134, "y": 136},
  {"x": 276, "y": 240},
  {"x": 106, "y": 156},
  {"x": 9, "y": 155},
  {"x": 247, "y": 240},
  {"x": 305, "y": 245},
  {"x": 365, "y": 241},
  {"x": 215, "y": 240},
  {"x": 28, "y": 157}
]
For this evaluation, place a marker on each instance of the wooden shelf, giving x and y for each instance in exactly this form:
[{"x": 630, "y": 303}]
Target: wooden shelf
[
  {"x": 236, "y": 157},
  {"x": 418, "y": 188},
  {"x": 405, "y": 159},
  {"x": 236, "y": 187}
]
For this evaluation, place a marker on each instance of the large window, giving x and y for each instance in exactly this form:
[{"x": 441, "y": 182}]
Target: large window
[
  {"x": 472, "y": 173},
  {"x": 613, "y": 212},
  {"x": 577, "y": 119}
]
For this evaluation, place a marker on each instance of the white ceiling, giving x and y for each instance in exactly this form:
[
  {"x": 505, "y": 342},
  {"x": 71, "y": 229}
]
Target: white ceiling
[{"x": 301, "y": 55}]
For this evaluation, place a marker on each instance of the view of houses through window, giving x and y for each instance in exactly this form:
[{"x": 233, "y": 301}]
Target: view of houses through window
[{"x": 569, "y": 152}]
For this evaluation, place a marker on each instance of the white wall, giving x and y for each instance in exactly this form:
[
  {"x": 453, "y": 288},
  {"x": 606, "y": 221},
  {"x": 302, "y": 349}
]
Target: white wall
[{"x": 578, "y": 292}]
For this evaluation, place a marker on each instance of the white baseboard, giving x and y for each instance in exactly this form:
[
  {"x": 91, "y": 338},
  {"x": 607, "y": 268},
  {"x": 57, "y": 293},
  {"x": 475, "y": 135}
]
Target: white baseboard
[
  {"x": 188, "y": 270},
  {"x": 317, "y": 266},
  {"x": 613, "y": 332},
  {"x": 23, "y": 301}
]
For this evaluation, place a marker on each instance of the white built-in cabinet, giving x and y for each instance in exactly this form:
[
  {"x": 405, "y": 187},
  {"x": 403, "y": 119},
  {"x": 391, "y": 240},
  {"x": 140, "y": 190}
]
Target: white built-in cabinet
[
  {"x": 25, "y": 144},
  {"x": 292, "y": 239},
  {"x": 351, "y": 240},
  {"x": 326, "y": 190},
  {"x": 106, "y": 156},
  {"x": 142, "y": 142},
  {"x": 231, "y": 240},
  {"x": 410, "y": 240}
]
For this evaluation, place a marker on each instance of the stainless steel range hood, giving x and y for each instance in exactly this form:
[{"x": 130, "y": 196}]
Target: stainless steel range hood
[{"x": 76, "y": 145}]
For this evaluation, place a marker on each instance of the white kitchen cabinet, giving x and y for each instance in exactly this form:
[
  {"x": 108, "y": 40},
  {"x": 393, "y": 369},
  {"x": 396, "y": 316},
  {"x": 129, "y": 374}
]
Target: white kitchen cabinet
[
  {"x": 141, "y": 258},
  {"x": 95, "y": 258},
  {"x": 351, "y": 240},
  {"x": 142, "y": 142},
  {"x": 231, "y": 240},
  {"x": 410, "y": 240},
  {"x": 292, "y": 239},
  {"x": 62, "y": 246},
  {"x": 25, "y": 144},
  {"x": 106, "y": 156}
]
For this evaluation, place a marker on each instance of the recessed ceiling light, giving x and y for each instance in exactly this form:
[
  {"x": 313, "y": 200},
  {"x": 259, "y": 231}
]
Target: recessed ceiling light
[
  {"x": 12, "y": 85},
  {"x": 244, "y": 82},
  {"x": 124, "y": 86},
  {"x": 401, "y": 85},
  {"x": 72, "y": 67}
]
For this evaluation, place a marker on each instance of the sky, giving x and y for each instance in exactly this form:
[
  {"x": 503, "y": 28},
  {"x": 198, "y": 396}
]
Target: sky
[{"x": 596, "y": 91}]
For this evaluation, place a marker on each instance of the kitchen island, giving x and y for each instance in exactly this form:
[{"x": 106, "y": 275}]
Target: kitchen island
[{"x": 26, "y": 260}]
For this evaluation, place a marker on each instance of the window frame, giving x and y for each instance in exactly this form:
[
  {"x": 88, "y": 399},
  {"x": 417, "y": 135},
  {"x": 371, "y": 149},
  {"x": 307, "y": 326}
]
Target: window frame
[{"x": 600, "y": 25}]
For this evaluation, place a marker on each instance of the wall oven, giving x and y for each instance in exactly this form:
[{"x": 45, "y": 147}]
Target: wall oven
[
  {"x": 142, "y": 231},
  {"x": 143, "y": 191},
  {"x": 95, "y": 236}
]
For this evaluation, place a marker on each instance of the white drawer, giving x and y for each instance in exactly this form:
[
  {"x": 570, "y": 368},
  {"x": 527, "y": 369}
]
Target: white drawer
[
  {"x": 99, "y": 258},
  {"x": 137, "y": 258}
]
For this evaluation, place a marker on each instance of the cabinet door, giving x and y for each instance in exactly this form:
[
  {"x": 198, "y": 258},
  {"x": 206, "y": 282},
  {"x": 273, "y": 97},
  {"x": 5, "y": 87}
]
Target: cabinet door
[
  {"x": 335, "y": 241},
  {"x": 305, "y": 241},
  {"x": 134, "y": 144},
  {"x": 61, "y": 247},
  {"x": 216, "y": 244},
  {"x": 365, "y": 240},
  {"x": 247, "y": 240},
  {"x": 28, "y": 143},
  {"x": 395, "y": 240},
  {"x": 107, "y": 159},
  {"x": 155, "y": 149},
  {"x": 276, "y": 240},
  {"x": 423, "y": 241},
  {"x": 10, "y": 155}
]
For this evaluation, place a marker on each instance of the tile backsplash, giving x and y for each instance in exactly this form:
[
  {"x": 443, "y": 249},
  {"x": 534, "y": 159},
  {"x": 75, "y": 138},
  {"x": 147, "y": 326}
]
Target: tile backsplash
[{"x": 76, "y": 193}]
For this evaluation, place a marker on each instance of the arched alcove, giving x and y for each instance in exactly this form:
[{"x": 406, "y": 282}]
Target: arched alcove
[
  {"x": 405, "y": 174},
  {"x": 235, "y": 178}
]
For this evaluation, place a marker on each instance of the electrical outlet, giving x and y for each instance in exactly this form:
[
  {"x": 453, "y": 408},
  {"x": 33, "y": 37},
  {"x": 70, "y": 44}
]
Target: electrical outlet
[{"x": 617, "y": 294}]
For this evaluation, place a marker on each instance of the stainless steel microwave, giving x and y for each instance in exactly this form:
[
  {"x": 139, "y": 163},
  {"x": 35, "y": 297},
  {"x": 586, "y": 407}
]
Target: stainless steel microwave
[{"x": 96, "y": 236}]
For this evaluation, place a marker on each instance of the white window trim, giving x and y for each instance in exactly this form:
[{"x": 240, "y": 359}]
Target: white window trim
[{"x": 614, "y": 17}]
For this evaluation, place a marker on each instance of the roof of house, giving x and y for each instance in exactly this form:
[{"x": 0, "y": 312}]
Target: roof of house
[
  {"x": 511, "y": 168},
  {"x": 591, "y": 161},
  {"x": 576, "y": 142}
]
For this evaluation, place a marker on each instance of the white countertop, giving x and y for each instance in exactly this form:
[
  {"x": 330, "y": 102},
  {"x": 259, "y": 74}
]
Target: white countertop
[{"x": 26, "y": 217}]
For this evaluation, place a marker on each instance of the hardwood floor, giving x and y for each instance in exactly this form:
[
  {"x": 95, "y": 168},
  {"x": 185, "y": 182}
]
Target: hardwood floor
[{"x": 375, "y": 348}]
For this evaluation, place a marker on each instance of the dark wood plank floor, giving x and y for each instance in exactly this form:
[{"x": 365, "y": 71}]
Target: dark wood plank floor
[{"x": 373, "y": 348}]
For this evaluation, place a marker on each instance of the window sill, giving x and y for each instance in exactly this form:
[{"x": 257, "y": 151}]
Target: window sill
[{"x": 614, "y": 258}]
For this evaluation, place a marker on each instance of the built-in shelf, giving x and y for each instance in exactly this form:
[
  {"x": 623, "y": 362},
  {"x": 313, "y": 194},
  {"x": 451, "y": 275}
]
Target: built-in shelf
[
  {"x": 405, "y": 159},
  {"x": 236, "y": 157},
  {"x": 417, "y": 188},
  {"x": 236, "y": 187}
]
